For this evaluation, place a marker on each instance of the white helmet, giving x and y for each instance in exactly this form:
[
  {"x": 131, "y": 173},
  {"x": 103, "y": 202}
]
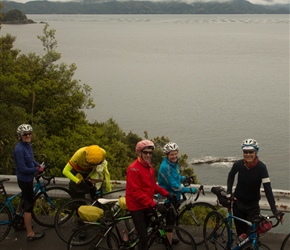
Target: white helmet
[
  {"x": 24, "y": 128},
  {"x": 171, "y": 146},
  {"x": 250, "y": 144}
]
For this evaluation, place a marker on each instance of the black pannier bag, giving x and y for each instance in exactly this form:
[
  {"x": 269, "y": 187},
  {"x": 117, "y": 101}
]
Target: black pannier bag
[{"x": 221, "y": 194}]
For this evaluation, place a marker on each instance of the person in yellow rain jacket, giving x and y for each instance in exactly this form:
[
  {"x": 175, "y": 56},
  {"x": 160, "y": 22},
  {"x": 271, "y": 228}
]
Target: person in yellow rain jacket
[{"x": 87, "y": 170}]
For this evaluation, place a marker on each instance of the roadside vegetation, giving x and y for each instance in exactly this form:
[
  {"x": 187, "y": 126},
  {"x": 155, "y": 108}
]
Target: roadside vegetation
[{"x": 41, "y": 91}]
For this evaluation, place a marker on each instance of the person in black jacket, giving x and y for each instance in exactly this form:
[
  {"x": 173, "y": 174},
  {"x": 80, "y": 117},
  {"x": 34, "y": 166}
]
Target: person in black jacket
[{"x": 251, "y": 174}]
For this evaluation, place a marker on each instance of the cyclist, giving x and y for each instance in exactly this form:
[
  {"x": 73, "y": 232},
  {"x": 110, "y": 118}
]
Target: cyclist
[
  {"x": 140, "y": 190},
  {"x": 26, "y": 167},
  {"x": 251, "y": 174},
  {"x": 169, "y": 178},
  {"x": 86, "y": 170}
]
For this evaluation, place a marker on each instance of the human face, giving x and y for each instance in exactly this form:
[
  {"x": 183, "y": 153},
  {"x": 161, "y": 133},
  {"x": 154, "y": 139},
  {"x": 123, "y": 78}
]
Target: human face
[
  {"x": 146, "y": 154},
  {"x": 249, "y": 155},
  {"x": 173, "y": 156},
  {"x": 26, "y": 136}
]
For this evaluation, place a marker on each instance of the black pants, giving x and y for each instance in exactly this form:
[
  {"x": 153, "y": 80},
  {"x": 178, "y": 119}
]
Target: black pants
[
  {"x": 27, "y": 195},
  {"x": 247, "y": 211},
  {"x": 141, "y": 219}
]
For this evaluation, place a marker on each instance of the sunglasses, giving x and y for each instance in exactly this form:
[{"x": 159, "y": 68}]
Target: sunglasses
[
  {"x": 249, "y": 152},
  {"x": 147, "y": 152},
  {"x": 27, "y": 134}
]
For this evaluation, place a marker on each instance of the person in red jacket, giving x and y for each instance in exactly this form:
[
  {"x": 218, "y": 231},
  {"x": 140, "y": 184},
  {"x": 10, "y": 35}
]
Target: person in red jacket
[{"x": 140, "y": 189}]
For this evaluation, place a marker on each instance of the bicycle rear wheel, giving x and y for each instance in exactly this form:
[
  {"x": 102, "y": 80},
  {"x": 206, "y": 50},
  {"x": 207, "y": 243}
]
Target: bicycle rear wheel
[
  {"x": 5, "y": 221},
  {"x": 215, "y": 231},
  {"x": 259, "y": 246},
  {"x": 93, "y": 237},
  {"x": 67, "y": 219},
  {"x": 46, "y": 205},
  {"x": 192, "y": 218},
  {"x": 286, "y": 243},
  {"x": 158, "y": 239}
]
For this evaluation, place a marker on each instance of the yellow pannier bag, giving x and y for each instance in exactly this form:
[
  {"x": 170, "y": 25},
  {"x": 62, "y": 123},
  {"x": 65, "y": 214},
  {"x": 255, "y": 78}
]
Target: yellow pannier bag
[
  {"x": 122, "y": 202},
  {"x": 90, "y": 213}
]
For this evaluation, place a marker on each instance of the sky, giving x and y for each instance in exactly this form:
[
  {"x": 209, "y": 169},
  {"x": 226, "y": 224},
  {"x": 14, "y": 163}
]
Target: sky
[{"x": 264, "y": 2}]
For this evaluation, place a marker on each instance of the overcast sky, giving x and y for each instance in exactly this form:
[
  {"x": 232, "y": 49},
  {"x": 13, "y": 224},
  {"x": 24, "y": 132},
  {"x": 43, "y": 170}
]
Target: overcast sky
[{"x": 188, "y": 1}]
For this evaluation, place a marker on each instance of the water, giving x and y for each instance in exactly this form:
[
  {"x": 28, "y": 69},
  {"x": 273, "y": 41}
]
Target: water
[{"x": 206, "y": 81}]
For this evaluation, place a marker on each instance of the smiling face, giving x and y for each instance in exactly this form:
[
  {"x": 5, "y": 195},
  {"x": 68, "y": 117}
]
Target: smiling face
[
  {"x": 249, "y": 155},
  {"x": 146, "y": 154},
  {"x": 173, "y": 156},
  {"x": 26, "y": 137}
]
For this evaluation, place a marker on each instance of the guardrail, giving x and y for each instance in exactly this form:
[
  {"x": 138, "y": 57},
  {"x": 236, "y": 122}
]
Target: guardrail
[{"x": 282, "y": 197}]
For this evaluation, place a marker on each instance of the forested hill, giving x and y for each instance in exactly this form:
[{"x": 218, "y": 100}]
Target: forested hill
[{"x": 144, "y": 7}]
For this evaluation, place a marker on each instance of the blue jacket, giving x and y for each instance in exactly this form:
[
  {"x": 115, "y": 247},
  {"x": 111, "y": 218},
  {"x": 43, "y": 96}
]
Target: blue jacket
[
  {"x": 26, "y": 166},
  {"x": 169, "y": 178}
]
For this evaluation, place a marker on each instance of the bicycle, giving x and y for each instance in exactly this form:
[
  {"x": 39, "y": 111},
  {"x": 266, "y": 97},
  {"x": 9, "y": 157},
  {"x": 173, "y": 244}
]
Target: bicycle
[
  {"x": 219, "y": 234},
  {"x": 47, "y": 200},
  {"x": 286, "y": 243},
  {"x": 67, "y": 217},
  {"x": 106, "y": 234},
  {"x": 191, "y": 214}
]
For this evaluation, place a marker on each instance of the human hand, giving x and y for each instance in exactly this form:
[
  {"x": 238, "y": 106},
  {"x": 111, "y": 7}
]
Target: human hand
[
  {"x": 193, "y": 190},
  {"x": 171, "y": 197},
  {"x": 40, "y": 170},
  {"x": 160, "y": 208},
  {"x": 280, "y": 216}
]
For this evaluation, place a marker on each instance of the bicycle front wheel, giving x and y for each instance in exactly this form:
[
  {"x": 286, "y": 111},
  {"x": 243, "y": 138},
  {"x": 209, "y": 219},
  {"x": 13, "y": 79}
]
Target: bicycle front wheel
[
  {"x": 5, "y": 221},
  {"x": 67, "y": 219},
  {"x": 93, "y": 237},
  {"x": 158, "y": 239},
  {"x": 286, "y": 243},
  {"x": 192, "y": 218},
  {"x": 259, "y": 246},
  {"x": 215, "y": 231},
  {"x": 46, "y": 205}
]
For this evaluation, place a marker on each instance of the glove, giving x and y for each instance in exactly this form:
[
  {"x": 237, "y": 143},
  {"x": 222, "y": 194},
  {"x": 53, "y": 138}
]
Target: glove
[
  {"x": 193, "y": 190},
  {"x": 160, "y": 208},
  {"x": 83, "y": 185},
  {"x": 40, "y": 170},
  {"x": 171, "y": 197},
  {"x": 189, "y": 179}
]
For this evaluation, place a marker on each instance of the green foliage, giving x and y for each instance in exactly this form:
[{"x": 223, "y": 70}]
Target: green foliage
[{"x": 36, "y": 89}]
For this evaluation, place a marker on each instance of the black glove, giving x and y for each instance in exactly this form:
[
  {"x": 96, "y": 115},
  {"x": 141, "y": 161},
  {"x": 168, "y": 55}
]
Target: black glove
[
  {"x": 189, "y": 179},
  {"x": 171, "y": 197},
  {"x": 83, "y": 185},
  {"x": 160, "y": 208}
]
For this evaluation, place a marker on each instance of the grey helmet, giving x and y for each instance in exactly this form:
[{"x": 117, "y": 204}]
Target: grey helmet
[
  {"x": 249, "y": 144},
  {"x": 23, "y": 128},
  {"x": 171, "y": 146}
]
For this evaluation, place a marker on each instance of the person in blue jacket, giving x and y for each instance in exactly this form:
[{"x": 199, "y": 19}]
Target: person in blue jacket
[
  {"x": 26, "y": 167},
  {"x": 169, "y": 177}
]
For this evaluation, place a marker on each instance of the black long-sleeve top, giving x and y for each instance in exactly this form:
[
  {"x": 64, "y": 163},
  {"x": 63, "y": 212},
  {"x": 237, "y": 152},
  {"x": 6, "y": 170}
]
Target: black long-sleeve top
[{"x": 249, "y": 183}]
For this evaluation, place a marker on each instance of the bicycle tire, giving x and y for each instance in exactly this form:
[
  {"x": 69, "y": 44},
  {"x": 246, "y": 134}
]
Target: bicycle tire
[
  {"x": 5, "y": 221},
  {"x": 157, "y": 240},
  {"x": 286, "y": 243},
  {"x": 215, "y": 231},
  {"x": 67, "y": 220},
  {"x": 186, "y": 221},
  {"x": 47, "y": 203},
  {"x": 260, "y": 246},
  {"x": 93, "y": 237}
]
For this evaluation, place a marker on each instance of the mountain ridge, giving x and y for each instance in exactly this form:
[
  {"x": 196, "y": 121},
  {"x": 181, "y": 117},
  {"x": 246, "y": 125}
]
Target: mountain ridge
[{"x": 144, "y": 7}]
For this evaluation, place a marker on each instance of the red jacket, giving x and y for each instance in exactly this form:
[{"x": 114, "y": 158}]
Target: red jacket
[{"x": 141, "y": 186}]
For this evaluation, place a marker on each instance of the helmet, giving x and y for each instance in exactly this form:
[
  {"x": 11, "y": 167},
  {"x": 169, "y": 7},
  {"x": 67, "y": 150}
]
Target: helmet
[
  {"x": 95, "y": 155},
  {"x": 250, "y": 144},
  {"x": 144, "y": 144},
  {"x": 171, "y": 146},
  {"x": 24, "y": 128}
]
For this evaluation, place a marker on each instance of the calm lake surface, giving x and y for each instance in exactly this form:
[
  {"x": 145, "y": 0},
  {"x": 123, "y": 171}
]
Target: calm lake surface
[{"x": 205, "y": 81}]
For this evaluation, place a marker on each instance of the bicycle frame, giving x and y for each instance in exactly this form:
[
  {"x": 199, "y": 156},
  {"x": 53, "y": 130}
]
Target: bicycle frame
[{"x": 252, "y": 237}]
